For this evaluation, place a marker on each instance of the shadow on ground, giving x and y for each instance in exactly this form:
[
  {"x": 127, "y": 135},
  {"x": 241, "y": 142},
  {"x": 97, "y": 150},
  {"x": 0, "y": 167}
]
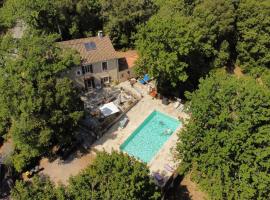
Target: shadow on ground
[
  {"x": 179, "y": 193},
  {"x": 185, "y": 189}
]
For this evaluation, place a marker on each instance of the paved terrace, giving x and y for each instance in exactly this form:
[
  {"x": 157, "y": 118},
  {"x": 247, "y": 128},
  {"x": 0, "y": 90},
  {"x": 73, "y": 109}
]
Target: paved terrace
[{"x": 116, "y": 136}]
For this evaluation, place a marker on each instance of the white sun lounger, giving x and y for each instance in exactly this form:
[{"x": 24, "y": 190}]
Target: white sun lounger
[
  {"x": 169, "y": 168},
  {"x": 123, "y": 122}
]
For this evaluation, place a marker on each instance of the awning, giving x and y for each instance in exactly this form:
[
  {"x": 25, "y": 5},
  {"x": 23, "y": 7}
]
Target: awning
[{"x": 109, "y": 109}]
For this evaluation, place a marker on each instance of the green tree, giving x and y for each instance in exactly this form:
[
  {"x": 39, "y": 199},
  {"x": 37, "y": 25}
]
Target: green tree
[
  {"x": 180, "y": 47},
  {"x": 226, "y": 142},
  {"x": 185, "y": 7},
  {"x": 113, "y": 176},
  {"x": 266, "y": 78},
  {"x": 253, "y": 34},
  {"x": 215, "y": 29},
  {"x": 164, "y": 44},
  {"x": 6, "y": 46},
  {"x": 40, "y": 188},
  {"x": 121, "y": 18},
  {"x": 39, "y": 106},
  {"x": 1, "y": 19},
  {"x": 223, "y": 56},
  {"x": 69, "y": 18}
]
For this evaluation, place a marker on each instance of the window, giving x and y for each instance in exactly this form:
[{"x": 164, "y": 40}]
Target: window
[
  {"x": 105, "y": 80},
  {"x": 104, "y": 66},
  {"x": 89, "y": 46},
  {"x": 87, "y": 69},
  {"x": 122, "y": 64},
  {"x": 78, "y": 72},
  {"x": 89, "y": 83}
]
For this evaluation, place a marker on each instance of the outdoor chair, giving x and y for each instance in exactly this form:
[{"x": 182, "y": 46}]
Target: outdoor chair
[
  {"x": 169, "y": 168},
  {"x": 123, "y": 122},
  {"x": 159, "y": 178},
  {"x": 145, "y": 79}
]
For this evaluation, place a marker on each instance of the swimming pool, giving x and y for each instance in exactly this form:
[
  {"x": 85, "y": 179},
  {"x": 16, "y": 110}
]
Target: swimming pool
[{"x": 150, "y": 136}]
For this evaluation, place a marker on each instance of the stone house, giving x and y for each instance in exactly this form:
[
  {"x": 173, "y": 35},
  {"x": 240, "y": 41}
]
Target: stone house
[{"x": 100, "y": 65}]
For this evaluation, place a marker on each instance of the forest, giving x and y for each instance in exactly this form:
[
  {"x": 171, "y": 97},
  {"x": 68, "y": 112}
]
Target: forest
[{"x": 190, "y": 47}]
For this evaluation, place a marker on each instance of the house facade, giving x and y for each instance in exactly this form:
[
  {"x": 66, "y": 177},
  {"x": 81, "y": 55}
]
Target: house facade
[{"x": 100, "y": 65}]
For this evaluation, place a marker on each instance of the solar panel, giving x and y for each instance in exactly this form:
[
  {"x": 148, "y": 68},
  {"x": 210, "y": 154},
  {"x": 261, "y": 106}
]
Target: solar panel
[{"x": 90, "y": 46}]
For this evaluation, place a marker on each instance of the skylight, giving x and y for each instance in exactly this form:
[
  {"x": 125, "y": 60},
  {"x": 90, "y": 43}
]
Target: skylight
[{"x": 90, "y": 46}]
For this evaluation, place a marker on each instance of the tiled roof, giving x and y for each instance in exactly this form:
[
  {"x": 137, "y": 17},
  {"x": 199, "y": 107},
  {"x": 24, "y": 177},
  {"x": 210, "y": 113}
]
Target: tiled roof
[
  {"x": 104, "y": 49},
  {"x": 130, "y": 57}
]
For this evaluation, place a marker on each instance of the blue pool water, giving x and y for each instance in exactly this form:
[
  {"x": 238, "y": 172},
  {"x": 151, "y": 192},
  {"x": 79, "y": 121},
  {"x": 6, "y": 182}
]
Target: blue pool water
[{"x": 150, "y": 136}]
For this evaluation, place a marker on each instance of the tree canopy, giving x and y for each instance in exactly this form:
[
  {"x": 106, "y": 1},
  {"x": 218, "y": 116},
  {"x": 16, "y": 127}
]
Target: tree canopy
[
  {"x": 121, "y": 18},
  {"x": 39, "y": 107},
  {"x": 183, "y": 46},
  {"x": 186, "y": 39},
  {"x": 39, "y": 189},
  {"x": 114, "y": 176},
  {"x": 253, "y": 24},
  {"x": 69, "y": 18},
  {"x": 226, "y": 142},
  {"x": 80, "y": 18},
  {"x": 111, "y": 176}
]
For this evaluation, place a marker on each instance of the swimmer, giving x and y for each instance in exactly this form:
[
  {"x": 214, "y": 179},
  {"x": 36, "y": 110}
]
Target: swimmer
[{"x": 161, "y": 123}]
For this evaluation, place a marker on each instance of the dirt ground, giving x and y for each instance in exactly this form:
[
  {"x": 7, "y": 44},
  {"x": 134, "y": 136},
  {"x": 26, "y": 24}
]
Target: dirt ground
[
  {"x": 61, "y": 171},
  {"x": 238, "y": 72},
  {"x": 6, "y": 148},
  {"x": 187, "y": 190}
]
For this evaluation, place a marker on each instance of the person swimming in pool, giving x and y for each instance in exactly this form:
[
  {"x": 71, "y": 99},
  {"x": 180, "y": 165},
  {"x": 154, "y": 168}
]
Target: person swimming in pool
[
  {"x": 167, "y": 131},
  {"x": 161, "y": 123}
]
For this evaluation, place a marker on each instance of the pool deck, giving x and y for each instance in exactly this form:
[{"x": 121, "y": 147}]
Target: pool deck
[{"x": 116, "y": 136}]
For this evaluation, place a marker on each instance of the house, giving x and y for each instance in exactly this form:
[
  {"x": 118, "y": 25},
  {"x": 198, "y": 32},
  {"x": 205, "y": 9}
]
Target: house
[{"x": 100, "y": 63}]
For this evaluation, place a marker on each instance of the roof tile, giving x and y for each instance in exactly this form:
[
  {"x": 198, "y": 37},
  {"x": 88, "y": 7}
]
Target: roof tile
[{"x": 104, "y": 49}]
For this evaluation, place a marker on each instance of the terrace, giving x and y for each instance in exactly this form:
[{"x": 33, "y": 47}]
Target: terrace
[{"x": 99, "y": 105}]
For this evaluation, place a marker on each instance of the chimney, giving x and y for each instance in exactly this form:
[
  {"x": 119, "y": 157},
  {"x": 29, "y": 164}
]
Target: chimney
[{"x": 100, "y": 34}]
